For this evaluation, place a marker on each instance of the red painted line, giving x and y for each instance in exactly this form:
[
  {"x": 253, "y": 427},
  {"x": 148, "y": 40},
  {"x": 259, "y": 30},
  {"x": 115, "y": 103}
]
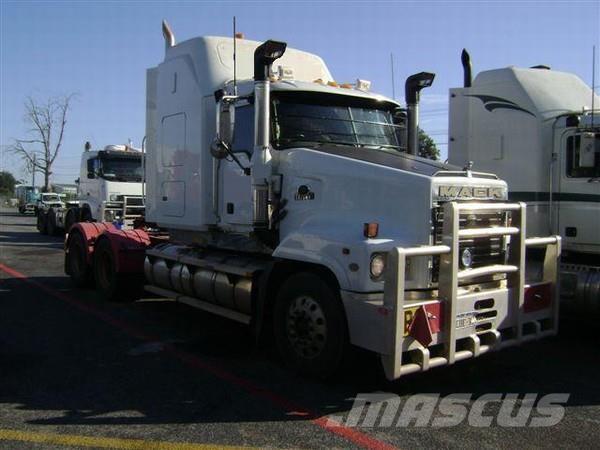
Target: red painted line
[{"x": 351, "y": 434}]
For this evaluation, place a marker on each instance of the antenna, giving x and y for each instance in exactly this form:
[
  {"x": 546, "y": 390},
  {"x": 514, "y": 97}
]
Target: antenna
[
  {"x": 593, "y": 81},
  {"x": 393, "y": 82},
  {"x": 234, "y": 59}
]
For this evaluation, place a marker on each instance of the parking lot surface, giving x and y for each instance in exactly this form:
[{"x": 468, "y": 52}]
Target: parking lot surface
[{"x": 79, "y": 372}]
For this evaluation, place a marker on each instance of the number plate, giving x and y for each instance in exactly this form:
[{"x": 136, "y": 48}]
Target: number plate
[{"x": 465, "y": 320}]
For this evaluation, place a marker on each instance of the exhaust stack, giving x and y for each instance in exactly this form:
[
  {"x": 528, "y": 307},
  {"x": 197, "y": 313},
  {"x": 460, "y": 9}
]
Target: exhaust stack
[
  {"x": 264, "y": 57},
  {"x": 465, "y": 58},
  {"x": 412, "y": 89},
  {"x": 168, "y": 35}
]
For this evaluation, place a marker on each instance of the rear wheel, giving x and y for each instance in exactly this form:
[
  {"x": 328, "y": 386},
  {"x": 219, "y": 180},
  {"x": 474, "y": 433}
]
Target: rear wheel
[
  {"x": 42, "y": 222},
  {"x": 77, "y": 266},
  {"x": 71, "y": 218},
  {"x": 112, "y": 285},
  {"x": 51, "y": 226},
  {"x": 310, "y": 326}
]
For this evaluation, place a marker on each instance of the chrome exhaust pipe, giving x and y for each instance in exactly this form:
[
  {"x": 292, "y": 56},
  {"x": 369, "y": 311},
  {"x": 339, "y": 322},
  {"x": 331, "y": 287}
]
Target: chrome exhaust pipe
[
  {"x": 168, "y": 35},
  {"x": 412, "y": 89},
  {"x": 465, "y": 58}
]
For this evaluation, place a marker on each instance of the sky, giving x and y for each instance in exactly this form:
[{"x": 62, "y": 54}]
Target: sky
[{"x": 100, "y": 50}]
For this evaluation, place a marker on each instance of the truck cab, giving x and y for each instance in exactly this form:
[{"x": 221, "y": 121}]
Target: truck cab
[
  {"x": 295, "y": 204},
  {"x": 537, "y": 128},
  {"x": 49, "y": 200},
  {"x": 110, "y": 184}
]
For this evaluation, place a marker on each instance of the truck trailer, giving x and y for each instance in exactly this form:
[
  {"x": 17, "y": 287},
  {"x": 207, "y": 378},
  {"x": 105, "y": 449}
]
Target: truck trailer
[
  {"x": 109, "y": 189},
  {"x": 284, "y": 200},
  {"x": 537, "y": 129}
]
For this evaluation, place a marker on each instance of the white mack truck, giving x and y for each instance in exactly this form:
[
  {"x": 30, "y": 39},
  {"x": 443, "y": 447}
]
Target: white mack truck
[
  {"x": 537, "y": 129},
  {"x": 286, "y": 201},
  {"x": 109, "y": 189}
]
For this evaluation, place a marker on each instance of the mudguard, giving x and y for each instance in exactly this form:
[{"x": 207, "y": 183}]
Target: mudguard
[
  {"x": 128, "y": 248},
  {"x": 90, "y": 232}
]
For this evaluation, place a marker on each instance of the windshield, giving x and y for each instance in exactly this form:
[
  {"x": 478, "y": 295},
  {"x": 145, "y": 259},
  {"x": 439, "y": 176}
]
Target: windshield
[
  {"x": 121, "y": 169},
  {"x": 305, "y": 118}
]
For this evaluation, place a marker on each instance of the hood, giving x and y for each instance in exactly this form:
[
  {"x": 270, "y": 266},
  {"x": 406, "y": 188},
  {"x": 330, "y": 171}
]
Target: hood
[{"x": 392, "y": 159}]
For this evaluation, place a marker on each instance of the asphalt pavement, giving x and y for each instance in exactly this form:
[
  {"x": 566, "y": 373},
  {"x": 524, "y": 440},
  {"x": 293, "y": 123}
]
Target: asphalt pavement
[{"x": 77, "y": 372}]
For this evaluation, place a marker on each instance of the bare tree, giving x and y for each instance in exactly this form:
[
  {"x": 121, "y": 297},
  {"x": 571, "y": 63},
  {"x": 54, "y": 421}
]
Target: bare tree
[{"x": 46, "y": 121}]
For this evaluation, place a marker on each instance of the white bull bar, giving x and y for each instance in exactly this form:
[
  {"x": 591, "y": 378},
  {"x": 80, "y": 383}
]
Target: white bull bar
[{"x": 449, "y": 277}]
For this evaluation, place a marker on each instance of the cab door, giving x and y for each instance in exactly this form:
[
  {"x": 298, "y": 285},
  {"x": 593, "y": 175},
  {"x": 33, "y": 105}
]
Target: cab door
[
  {"x": 235, "y": 181},
  {"x": 579, "y": 191}
]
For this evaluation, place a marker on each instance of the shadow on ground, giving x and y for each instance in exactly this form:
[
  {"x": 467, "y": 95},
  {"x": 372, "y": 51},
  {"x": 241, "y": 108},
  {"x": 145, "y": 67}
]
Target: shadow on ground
[{"x": 76, "y": 368}]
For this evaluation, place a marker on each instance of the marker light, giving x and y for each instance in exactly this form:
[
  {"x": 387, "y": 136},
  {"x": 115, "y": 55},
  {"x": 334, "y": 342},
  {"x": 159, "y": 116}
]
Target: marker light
[
  {"x": 363, "y": 85},
  {"x": 285, "y": 73},
  {"x": 371, "y": 230}
]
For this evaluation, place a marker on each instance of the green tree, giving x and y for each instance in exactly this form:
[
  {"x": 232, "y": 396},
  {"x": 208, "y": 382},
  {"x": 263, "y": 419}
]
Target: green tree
[
  {"x": 7, "y": 183},
  {"x": 427, "y": 147}
]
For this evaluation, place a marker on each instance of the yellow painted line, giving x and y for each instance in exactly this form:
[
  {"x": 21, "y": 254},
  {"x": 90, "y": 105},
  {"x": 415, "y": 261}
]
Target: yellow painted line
[{"x": 104, "y": 442}]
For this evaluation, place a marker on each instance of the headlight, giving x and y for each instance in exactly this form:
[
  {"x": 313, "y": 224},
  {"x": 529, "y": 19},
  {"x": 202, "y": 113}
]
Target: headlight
[
  {"x": 466, "y": 258},
  {"x": 377, "y": 265},
  {"x": 113, "y": 197},
  {"x": 110, "y": 215}
]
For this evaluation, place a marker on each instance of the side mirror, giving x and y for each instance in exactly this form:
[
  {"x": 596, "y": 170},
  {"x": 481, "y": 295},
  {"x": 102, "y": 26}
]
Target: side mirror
[
  {"x": 226, "y": 123},
  {"x": 219, "y": 148}
]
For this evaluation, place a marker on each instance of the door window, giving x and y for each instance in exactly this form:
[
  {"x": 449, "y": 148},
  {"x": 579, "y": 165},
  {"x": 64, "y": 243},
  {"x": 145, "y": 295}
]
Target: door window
[{"x": 583, "y": 155}]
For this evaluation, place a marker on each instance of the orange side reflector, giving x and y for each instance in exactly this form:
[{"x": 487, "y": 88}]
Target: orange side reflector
[
  {"x": 371, "y": 230},
  {"x": 420, "y": 328}
]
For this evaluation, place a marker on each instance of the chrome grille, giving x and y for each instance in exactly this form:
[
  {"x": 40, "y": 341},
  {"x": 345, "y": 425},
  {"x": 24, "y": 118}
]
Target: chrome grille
[{"x": 486, "y": 250}]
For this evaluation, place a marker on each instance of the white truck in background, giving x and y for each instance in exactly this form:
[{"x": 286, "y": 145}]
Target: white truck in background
[
  {"x": 297, "y": 205},
  {"x": 536, "y": 128},
  {"x": 109, "y": 189}
]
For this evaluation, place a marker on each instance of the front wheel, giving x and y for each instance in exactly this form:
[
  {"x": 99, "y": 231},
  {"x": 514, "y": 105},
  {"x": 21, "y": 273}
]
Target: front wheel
[{"x": 310, "y": 326}]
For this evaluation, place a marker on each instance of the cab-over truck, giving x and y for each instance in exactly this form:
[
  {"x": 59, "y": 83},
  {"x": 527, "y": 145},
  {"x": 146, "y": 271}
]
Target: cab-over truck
[
  {"x": 109, "y": 189},
  {"x": 284, "y": 200}
]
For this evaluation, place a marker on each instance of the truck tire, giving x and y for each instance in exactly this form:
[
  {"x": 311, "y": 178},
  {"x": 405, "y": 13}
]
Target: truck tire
[
  {"x": 310, "y": 326},
  {"x": 71, "y": 218},
  {"x": 112, "y": 285},
  {"x": 51, "y": 226},
  {"x": 42, "y": 223},
  {"x": 86, "y": 215},
  {"x": 77, "y": 266}
]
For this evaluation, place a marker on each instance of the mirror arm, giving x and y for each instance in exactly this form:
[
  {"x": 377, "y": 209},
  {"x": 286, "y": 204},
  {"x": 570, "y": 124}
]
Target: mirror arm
[{"x": 246, "y": 170}]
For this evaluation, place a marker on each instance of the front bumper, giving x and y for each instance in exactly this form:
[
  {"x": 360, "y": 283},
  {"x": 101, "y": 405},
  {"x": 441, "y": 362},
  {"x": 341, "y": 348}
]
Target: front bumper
[{"x": 457, "y": 323}]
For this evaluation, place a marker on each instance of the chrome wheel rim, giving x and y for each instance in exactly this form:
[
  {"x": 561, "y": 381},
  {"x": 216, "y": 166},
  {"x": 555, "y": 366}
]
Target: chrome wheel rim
[{"x": 306, "y": 327}]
